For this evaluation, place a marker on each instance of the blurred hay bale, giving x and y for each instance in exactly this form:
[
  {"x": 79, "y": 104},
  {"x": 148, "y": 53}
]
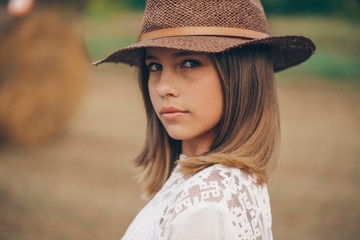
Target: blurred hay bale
[{"x": 43, "y": 73}]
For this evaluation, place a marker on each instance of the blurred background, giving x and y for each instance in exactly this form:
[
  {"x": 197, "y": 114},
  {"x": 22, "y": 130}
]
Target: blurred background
[{"x": 69, "y": 131}]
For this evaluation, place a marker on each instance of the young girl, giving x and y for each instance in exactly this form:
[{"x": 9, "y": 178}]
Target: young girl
[{"x": 206, "y": 74}]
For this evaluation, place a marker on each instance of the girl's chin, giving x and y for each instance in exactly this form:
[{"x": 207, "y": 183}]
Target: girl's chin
[{"x": 178, "y": 135}]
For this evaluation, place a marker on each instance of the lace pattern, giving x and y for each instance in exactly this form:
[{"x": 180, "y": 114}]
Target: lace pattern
[{"x": 238, "y": 207}]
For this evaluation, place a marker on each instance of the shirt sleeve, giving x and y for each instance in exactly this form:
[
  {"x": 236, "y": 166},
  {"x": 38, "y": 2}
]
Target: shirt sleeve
[{"x": 207, "y": 221}]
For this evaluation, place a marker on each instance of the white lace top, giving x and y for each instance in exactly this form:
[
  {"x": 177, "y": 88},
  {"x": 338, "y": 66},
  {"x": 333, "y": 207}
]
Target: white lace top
[{"x": 217, "y": 203}]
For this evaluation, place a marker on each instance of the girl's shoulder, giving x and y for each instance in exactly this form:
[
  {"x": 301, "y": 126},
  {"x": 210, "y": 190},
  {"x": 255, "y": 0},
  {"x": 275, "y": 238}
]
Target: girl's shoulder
[
  {"x": 227, "y": 180},
  {"x": 227, "y": 187},
  {"x": 221, "y": 196}
]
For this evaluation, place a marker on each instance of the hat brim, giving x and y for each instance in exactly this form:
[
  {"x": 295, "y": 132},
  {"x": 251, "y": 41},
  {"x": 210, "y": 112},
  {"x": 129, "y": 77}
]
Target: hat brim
[{"x": 286, "y": 51}]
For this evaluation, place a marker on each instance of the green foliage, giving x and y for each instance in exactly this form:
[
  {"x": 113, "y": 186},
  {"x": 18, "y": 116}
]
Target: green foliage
[
  {"x": 347, "y": 8},
  {"x": 106, "y": 8},
  {"x": 134, "y": 4},
  {"x": 116, "y": 5},
  {"x": 105, "y": 35},
  {"x": 337, "y": 56},
  {"x": 101, "y": 47}
]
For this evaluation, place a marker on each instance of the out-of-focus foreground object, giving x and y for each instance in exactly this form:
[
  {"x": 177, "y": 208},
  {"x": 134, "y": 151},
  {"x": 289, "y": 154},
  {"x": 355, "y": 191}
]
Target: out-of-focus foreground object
[
  {"x": 44, "y": 68},
  {"x": 19, "y": 8}
]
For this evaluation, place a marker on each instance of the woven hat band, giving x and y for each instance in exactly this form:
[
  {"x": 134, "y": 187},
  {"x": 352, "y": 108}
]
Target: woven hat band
[{"x": 202, "y": 31}]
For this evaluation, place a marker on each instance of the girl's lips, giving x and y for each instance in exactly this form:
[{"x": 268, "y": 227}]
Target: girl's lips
[{"x": 171, "y": 113}]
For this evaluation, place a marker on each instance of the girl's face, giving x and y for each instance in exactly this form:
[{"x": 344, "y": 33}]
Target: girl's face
[{"x": 187, "y": 96}]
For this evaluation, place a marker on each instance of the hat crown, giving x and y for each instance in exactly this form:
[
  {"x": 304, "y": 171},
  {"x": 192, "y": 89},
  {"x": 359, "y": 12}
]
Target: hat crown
[{"x": 243, "y": 14}]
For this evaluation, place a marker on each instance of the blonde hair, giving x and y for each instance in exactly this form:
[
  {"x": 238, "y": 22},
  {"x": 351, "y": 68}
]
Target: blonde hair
[{"x": 247, "y": 134}]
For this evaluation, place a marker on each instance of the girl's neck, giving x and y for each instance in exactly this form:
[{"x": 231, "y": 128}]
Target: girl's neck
[{"x": 197, "y": 146}]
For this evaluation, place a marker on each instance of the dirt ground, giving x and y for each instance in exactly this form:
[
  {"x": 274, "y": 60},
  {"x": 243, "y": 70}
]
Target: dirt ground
[{"x": 82, "y": 185}]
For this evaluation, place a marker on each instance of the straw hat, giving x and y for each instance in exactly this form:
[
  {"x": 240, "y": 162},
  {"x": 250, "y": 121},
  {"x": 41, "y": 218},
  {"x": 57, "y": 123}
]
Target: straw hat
[{"x": 211, "y": 26}]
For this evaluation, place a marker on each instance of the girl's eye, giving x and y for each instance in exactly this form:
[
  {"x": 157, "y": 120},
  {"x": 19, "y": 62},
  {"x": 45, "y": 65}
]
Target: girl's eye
[
  {"x": 153, "y": 67},
  {"x": 191, "y": 64}
]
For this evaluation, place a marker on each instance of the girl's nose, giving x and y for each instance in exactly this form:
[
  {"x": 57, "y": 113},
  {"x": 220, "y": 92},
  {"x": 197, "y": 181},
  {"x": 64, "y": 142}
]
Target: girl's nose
[{"x": 167, "y": 84}]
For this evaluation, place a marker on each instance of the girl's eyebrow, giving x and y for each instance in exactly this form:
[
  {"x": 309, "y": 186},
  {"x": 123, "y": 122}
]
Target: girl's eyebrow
[
  {"x": 186, "y": 53},
  {"x": 149, "y": 57}
]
